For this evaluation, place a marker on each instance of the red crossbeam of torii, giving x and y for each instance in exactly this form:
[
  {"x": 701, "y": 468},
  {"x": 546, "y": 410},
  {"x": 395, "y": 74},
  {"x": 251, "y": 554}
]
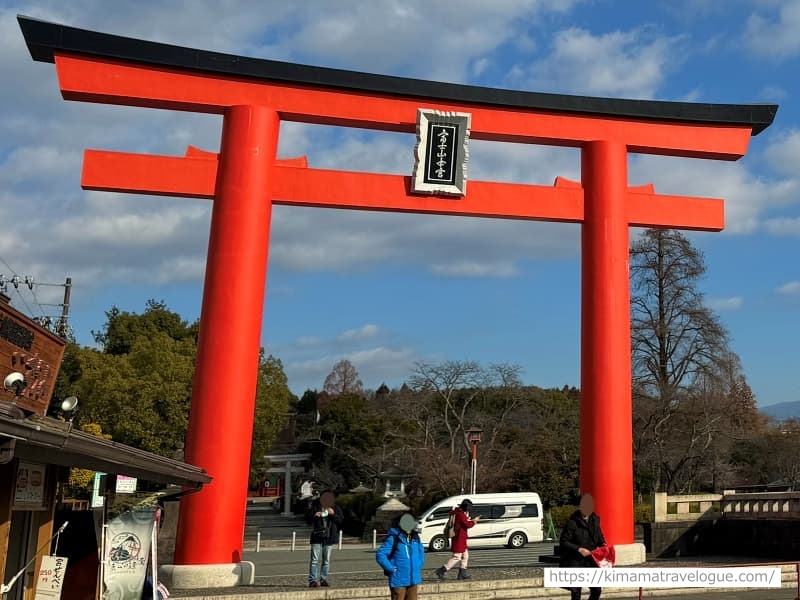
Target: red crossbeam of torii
[
  {"x": 246, "y": 178},
  {"x": 293, "y": 183}
]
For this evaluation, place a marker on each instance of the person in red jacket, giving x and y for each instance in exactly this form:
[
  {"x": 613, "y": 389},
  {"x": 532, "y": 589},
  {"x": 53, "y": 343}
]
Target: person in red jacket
[{"x": 461, "y": 523}]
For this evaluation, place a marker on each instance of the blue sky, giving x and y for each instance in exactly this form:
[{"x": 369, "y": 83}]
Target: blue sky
[{"x": 386, "y": 290}]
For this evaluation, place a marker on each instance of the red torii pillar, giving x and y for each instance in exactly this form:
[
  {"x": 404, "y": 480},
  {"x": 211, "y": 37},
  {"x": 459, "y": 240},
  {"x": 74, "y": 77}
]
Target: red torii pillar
[
  {"x": 245, "y": 179},
  {"x": 606, "y": 406}
]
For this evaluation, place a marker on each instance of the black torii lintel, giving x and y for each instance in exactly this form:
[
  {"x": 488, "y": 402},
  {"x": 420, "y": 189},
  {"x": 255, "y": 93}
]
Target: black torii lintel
[{"x": 43, "y": 38}]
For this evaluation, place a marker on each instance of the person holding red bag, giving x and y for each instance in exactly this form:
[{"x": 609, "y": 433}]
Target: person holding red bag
[{"x": 581, "y": 537}]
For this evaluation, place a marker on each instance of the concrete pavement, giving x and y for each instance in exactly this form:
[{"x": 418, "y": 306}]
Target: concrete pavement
[
  {"x": 351, "y": 580},
  {"x": 497, "y": 574}
]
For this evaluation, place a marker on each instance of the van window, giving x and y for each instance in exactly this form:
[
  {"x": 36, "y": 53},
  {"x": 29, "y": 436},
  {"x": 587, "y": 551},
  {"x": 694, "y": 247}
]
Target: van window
[
  {"x": 484, "y": 511},
  {"x": 439, "y": 514},
  {"x": 511, "y": 511},
  {"x": 530, "y": 510}
]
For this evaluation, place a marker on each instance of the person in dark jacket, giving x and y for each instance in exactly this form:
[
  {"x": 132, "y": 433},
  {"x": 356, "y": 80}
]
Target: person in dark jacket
[
  {"x": 401, "y": 556},
  {"x": 325, "y": 519},
  {"x": 462, "y": 522},
  {"x": 580, "y": 536}
]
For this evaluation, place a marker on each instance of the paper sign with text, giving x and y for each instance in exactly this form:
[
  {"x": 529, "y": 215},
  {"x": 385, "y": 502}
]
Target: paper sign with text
[{"x": 51, "y": 578}]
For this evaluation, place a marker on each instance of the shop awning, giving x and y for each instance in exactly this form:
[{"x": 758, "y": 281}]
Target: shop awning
[{"x": 49, "y": 441}]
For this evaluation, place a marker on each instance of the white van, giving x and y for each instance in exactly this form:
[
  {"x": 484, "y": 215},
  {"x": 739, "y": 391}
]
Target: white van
[{"x": 511, "y": 519}]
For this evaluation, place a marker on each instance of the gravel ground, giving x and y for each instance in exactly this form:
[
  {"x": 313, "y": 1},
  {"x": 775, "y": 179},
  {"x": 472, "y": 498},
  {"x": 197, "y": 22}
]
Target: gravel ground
[{"x": 376, "y": 579}]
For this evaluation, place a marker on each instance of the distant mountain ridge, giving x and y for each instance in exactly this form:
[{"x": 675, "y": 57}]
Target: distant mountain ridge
[{"x": 782, "y": 410}]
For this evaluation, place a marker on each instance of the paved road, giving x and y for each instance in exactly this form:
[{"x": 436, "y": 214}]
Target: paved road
[
  {"x": 361, "y": 559},
  {"x": 357, "y": 565},
  {"x": 279, "y": 569}
]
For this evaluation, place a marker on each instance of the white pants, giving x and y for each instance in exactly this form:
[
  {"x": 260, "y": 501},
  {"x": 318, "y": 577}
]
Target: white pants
[{"x": 458, "y": 557}]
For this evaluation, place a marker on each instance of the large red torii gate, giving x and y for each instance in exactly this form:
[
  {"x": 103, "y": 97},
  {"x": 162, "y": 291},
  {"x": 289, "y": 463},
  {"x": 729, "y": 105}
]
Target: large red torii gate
[{"x": 245, "y": 179}]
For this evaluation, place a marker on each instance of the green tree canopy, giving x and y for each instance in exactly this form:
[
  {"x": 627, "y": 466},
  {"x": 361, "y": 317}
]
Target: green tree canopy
[
  {"x": 138, "y": 386},
  {"x": 122, "y": 328},
  {"x": 273, "y": 399}
]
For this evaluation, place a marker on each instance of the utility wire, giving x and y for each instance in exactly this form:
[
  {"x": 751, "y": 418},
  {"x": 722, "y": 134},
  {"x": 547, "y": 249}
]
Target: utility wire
[
  {"x": 8, "y": 266},
  {"x": 17, "y": 278},
  {"x": 30, "y": 283},
  {"x": 30, "y": 310}
]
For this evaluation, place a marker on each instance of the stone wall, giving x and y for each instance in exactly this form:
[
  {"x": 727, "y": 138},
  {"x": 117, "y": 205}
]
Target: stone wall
[
  {"x": 773, "y": 539},
  {"x": 167, "y": 532}
]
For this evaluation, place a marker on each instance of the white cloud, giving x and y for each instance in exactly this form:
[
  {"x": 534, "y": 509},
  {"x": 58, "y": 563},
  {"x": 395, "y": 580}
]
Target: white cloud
[
  {"x": 101, "y": 238},
  {"x": 775, "y": 35},
  {"x": 374, "y": 365},
  {"x": 773, "y": 93},
  {"x": 362, "y": 333},
  {"x": 476, "y": 269},
  {"x": 791, "y": 288},
  {"x": 180, "y": 269},
  {"x": 783, "y": 226},
  {"x": 132, "y": 229},
  {"x": 620, "y": 63},
  {"x": 746, "y": 196},
  {"x": 388, "y": 33},
  {"x": 783, "y": 154},
  {"x": 732, "y": 303}
]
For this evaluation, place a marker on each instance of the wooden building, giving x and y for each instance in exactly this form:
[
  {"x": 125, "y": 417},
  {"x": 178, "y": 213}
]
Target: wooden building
[{"x": 37, "y": 451}]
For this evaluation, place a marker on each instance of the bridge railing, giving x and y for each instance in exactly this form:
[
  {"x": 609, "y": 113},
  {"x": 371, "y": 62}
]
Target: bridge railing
[{"x": 731, "y": 505}]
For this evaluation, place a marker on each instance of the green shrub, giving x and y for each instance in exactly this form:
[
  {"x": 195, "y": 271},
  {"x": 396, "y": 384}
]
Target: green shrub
[
  {"x": 358, "y": 510},
  {"x": 561, "y": 514},
  {"x": 642, "y": 513},
  {"x": 363, "y": 506}
]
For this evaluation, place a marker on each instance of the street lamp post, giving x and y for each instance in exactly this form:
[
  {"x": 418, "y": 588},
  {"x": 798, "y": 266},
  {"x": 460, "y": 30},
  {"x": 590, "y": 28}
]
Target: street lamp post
[{"x": 474, "y": 438}]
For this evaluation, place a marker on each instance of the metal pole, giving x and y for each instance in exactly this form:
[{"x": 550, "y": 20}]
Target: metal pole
[
  {"x": 258, "y": 542},
  {"x": 62, "y": 322},
  {"x": 340, "y": 540},
  {"x": 474, "y": 475},
  {"x": 374, "y": 539},
  {"x": 294, "y": 539},
  {"x": 154, "y": 555},
  {"x": 104, "y": 529},
  {"x": 287, "y": 490}
]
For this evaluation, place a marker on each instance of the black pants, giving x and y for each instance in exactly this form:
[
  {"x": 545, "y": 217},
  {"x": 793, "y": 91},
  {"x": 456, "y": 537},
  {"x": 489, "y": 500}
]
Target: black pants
[{"x": 594, "y": 593}]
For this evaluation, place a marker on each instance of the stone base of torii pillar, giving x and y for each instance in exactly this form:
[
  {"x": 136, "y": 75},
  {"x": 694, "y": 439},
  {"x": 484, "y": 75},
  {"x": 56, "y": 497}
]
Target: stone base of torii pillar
[
  {"x": 207, "y": 576},
  {"x": 627, "y": 555}
]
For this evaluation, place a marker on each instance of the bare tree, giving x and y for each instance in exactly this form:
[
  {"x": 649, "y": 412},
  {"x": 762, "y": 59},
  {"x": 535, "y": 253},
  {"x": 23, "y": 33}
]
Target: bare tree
[
  {"x": 676, "y": 342},
  {"x": 448, "y": 399},
  {"x": 343, "y": 379},
  {"x": 455, "y": 384}
]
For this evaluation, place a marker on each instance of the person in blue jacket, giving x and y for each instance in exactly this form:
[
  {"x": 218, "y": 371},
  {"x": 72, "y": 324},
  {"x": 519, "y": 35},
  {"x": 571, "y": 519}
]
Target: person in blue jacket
[{"x": 401, "y": 556}]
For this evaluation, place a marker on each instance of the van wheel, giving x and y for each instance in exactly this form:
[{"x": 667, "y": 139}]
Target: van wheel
[
  {"x": 438, "y": 543},
  {"x": 517, "y": 540}
]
